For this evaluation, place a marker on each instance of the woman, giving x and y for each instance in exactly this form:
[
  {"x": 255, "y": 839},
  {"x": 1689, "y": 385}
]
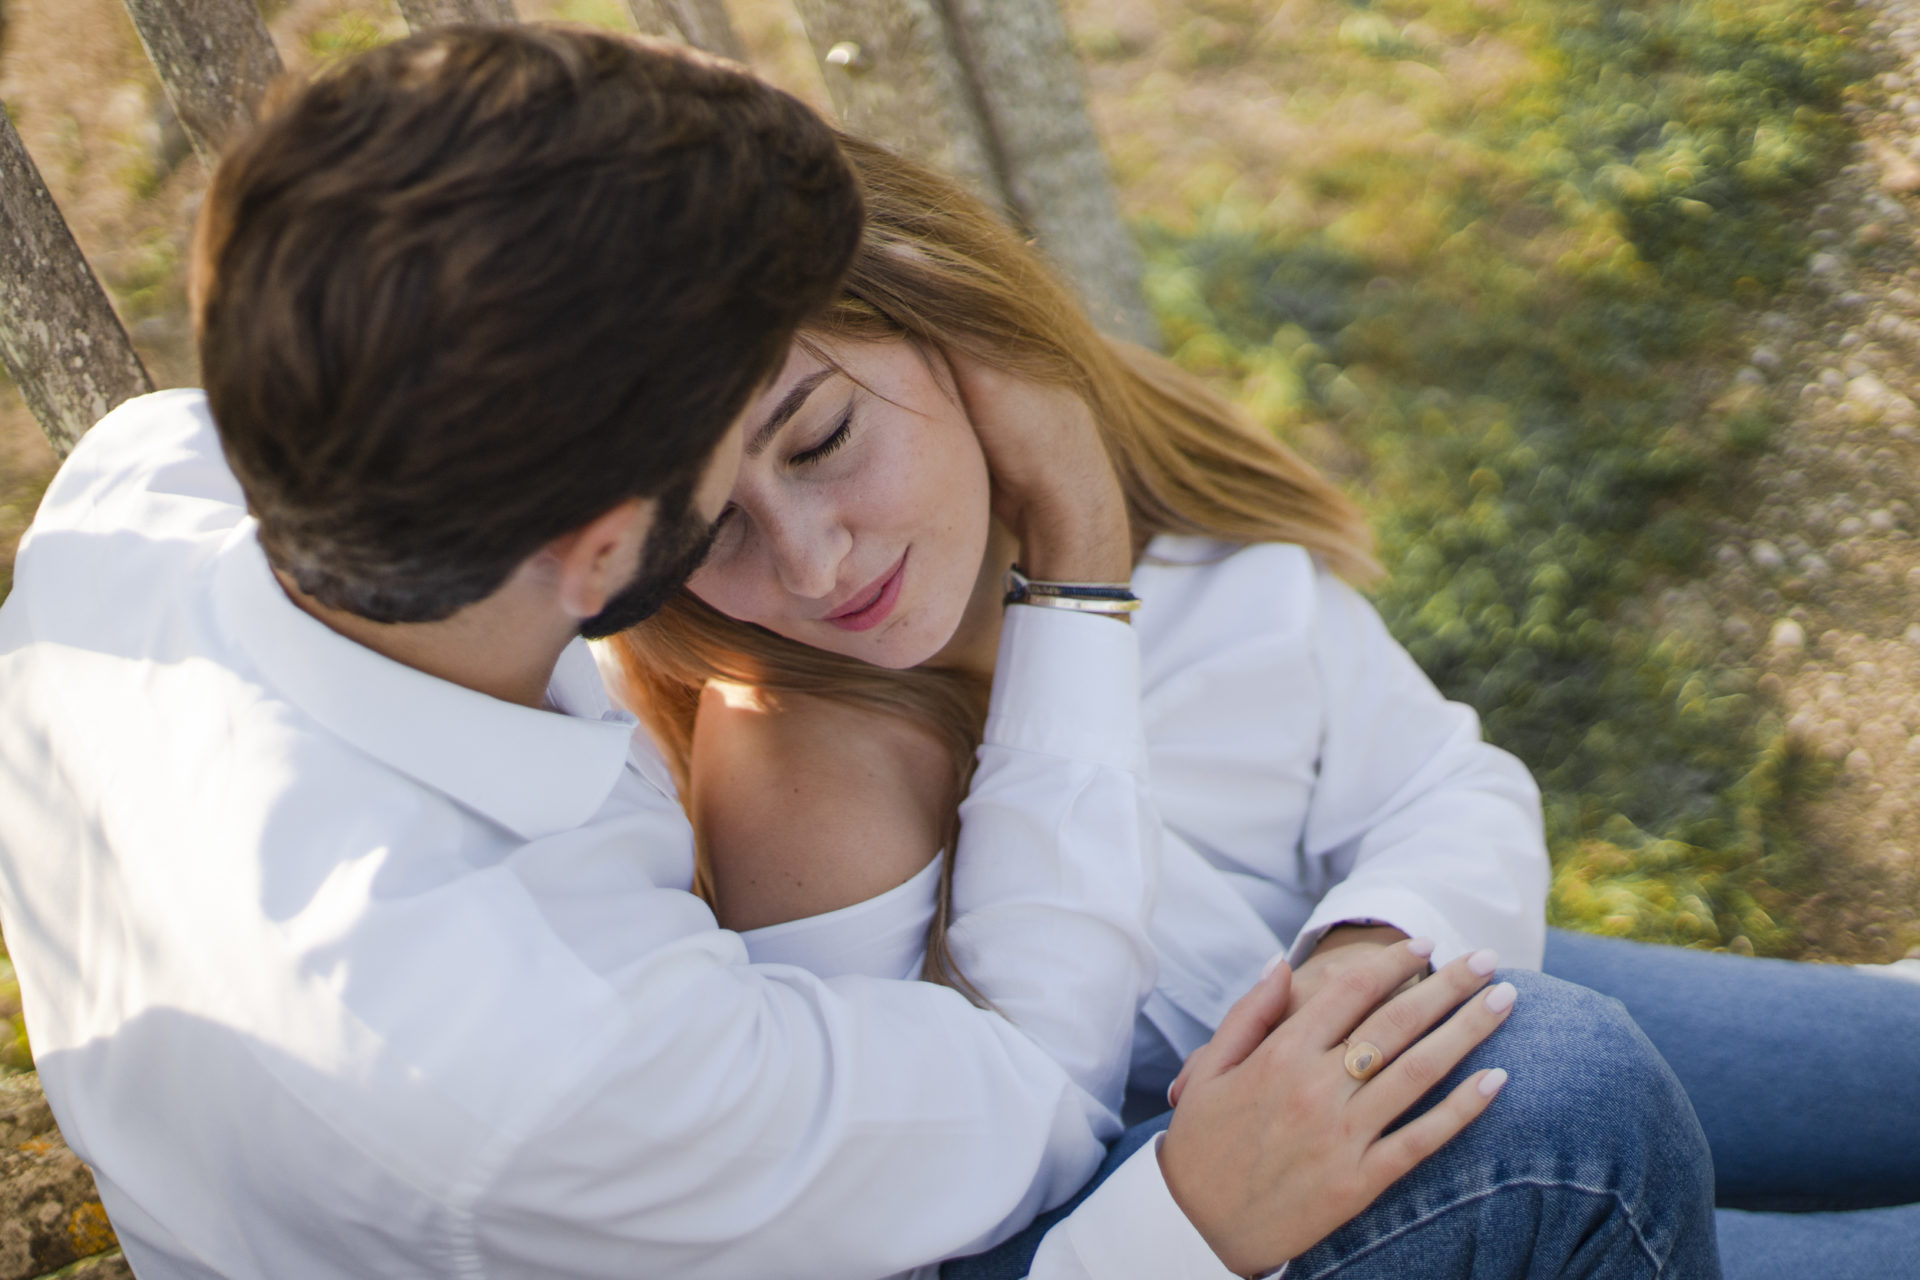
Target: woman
[{"x": 1318, "y": 794}]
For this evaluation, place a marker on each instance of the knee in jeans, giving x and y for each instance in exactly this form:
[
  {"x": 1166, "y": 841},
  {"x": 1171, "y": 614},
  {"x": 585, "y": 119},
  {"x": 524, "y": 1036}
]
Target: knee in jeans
[{"x": 1581, "y": 1068}]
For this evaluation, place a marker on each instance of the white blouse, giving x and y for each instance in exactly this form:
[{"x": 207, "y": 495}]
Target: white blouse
[{"x": 1308, "y": 774}]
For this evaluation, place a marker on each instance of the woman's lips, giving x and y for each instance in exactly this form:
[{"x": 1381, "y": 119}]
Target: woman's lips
[{"x": 872, "y": 606}]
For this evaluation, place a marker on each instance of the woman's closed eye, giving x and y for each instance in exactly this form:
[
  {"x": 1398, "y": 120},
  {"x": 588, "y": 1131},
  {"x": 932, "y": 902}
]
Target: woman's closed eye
[{"x": 834, "y": 440}]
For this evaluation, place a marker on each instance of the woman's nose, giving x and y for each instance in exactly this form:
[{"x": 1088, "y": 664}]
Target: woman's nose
[{"x": 807, "y": 555}]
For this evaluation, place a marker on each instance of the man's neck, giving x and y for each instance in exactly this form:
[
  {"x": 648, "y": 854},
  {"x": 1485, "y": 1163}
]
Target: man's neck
[{"x": 501, "y": 646}]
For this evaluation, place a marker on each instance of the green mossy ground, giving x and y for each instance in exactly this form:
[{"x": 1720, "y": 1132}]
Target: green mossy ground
[{"x": 1514, "y": 339}]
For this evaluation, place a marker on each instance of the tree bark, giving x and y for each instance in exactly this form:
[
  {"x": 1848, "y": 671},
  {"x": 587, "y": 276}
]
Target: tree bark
[
  {"x": 704, "y": 24},
  {"x": 59, "y": 336},
  {"x": 891, "y": 70},
  {"x": 215, "y": 59},
  {"x": 989, "y": 91},
  {"x": 424, "y": 14},
  {"x": 1027, "y": 77}
]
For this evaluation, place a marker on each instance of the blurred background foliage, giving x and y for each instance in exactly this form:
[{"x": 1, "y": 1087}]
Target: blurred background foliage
[
  {"x": 1491, "y": 261},
  {"x": 1516, "y": 327}
]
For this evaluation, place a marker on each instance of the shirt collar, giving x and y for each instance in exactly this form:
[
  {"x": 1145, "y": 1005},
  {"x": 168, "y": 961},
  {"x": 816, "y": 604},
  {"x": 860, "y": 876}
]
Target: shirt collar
[{"x": 537, "y": 773}]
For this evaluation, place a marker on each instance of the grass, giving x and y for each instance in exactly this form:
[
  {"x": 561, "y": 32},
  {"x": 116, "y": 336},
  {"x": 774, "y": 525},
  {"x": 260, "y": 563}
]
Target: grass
[{"x": 1509, "y": 325}]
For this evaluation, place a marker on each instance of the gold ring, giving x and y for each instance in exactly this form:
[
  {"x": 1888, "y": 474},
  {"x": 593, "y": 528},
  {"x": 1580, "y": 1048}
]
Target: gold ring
[{"x": 1364, "y": 1059}]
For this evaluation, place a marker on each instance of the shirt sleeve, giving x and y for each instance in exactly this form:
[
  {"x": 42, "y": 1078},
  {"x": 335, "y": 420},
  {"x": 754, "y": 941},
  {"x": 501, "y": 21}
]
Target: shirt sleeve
[
  {"x": 746, "y": 1120},
  {"x": 1128, "y": 1229},
  {"x": 1434, "y": 830}
]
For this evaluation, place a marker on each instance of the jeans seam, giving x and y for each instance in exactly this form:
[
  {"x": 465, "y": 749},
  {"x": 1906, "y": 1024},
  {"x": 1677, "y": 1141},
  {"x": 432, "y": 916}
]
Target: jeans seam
[{"x": 1639, "y": 1237}]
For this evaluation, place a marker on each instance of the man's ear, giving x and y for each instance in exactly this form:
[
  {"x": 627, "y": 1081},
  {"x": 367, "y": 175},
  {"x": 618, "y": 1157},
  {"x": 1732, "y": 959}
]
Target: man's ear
[{"x": 596, "y": 561}]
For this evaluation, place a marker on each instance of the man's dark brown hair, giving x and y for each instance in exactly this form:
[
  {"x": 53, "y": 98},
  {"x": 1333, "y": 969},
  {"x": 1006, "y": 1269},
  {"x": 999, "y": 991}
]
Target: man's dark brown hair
[{"x": 469, "y": 291}]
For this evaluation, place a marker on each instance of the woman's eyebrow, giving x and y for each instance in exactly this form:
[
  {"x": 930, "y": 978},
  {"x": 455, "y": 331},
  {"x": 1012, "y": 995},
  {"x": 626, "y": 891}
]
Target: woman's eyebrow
[{"x": 788, "y": 406}]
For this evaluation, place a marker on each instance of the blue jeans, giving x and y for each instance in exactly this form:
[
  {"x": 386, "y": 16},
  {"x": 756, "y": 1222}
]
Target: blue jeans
[
  {"x": 1592, "y": 1163},
  {"x": 1806, "y": 1079},
  {"x": 1625, "y": 1194}
]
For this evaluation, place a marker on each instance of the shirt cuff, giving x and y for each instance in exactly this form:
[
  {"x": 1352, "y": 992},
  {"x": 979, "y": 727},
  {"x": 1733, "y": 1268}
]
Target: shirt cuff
[
  {"x": 1068, "y": 684},
  {"x": 1348, "y": 903},
  {"x": 1130, "y": 1229}
]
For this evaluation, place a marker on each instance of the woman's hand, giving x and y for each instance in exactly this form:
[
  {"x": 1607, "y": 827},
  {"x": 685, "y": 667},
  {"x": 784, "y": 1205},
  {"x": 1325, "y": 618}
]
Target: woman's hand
[
  {"x": 1274, "y": 1144},
  {"x": 1053, "y": 483}
]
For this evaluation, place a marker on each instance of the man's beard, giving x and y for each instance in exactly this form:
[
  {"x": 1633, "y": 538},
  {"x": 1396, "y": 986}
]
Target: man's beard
[{"x": 675, "y": 546}]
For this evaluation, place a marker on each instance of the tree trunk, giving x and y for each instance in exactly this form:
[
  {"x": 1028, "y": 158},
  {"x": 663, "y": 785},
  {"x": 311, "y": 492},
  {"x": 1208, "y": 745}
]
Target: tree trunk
[
  {"x": 423, "y": 14},
  {"x": 891, "y": 69},
  {"x": 989, "y": 91},
  {"x": 215, "y": 59},
  {"x": 59, "y": 336},
  {"x": 1027, "y": 80},
  {"x": 704, "y": 24}
]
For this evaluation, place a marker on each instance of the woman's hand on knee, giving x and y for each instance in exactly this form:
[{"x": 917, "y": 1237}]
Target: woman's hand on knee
[{"x": 1279, "y": 1137}]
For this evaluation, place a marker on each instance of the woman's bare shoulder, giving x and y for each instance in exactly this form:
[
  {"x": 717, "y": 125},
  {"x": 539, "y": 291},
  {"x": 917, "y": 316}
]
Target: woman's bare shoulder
[{"x": 803, "y": 805}]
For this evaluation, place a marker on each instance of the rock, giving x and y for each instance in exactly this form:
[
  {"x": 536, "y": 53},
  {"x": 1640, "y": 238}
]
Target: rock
[
  {"x": 1833, "y": 379},
  {"x": 1913, "y": 634},
  {"x": 1766, "y": 359},
  {"x": 1787, "y": 635},
  {"x": 1880, "y": 520},
  {"x": 1859, "y": 763},
  {"x": 1815, "y": 567},
  {"x": 1852, "y": 527},
  {"x": 50, "y": 1213},
  {"x": 1869, "y": 392},
  {"x": 1902, "y": 177},
  {"x": 1829, "y": 265},
  {"x": 1765, "y": 555}
]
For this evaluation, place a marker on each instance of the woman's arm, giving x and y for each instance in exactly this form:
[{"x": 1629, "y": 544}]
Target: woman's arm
[
  {"x": 1434, "y": 830},
  {"x": 803, "y": 805}
]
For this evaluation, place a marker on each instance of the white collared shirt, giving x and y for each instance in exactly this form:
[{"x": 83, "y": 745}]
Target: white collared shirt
[
  {"x": 1308, "y": 774},
  {"x": 333, "y": 969}
]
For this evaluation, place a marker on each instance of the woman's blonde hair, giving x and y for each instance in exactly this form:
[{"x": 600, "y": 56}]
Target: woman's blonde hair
[{"x": 937, "y": 267}]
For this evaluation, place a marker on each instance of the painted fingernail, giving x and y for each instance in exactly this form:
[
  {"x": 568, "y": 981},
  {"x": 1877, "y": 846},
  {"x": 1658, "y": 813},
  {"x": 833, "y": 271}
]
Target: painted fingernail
[
  {"x": 1422, "y": 947},
  {"x": 1490, "y": 1083},
  {"x": 1271, "y": 965},
  {"x": 1483, "y": 962},
  {"x": 1501, "y": 998}
]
